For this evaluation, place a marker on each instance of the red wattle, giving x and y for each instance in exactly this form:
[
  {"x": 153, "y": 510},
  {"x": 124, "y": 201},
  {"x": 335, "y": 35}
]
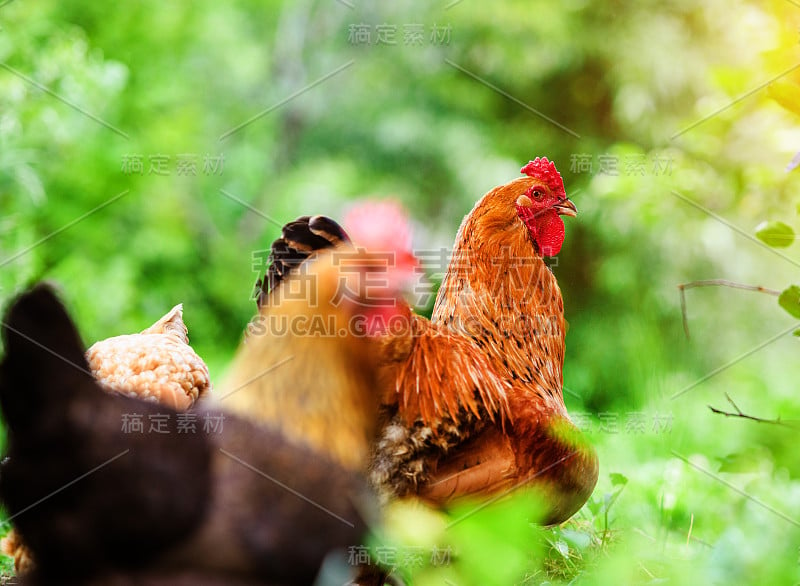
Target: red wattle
[
  {"x": 546, "y": 228},
  {"x": 549, "y": 233}
]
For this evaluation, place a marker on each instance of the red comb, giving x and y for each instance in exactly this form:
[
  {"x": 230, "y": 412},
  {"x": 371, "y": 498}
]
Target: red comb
[{"x": 544, "y": 170}]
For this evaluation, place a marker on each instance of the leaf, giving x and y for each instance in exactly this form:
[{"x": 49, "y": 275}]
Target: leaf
[
  {"x": 775, "y": 234},
  {"x": 618, "y": 479},
  {"x": 786, "y": 94},
  {"x": 738, "y": 463},
  {"x": 796, "y": 333},
  {"x": 789, "y": 299}
]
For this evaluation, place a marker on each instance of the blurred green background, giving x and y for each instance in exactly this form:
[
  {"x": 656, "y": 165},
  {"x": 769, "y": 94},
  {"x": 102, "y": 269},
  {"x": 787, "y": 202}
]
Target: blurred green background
[{"x": 149, "y": 150}]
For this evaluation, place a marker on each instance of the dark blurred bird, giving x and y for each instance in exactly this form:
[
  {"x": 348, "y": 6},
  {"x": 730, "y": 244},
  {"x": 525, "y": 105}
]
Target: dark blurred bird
[
  {"x": 156, "y": 365},
  {"x": 239, "y": 503}
]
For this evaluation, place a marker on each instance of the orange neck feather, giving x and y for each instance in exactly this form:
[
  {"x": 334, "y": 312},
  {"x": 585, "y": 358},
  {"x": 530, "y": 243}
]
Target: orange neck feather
[{"x": 499, "y": 291}]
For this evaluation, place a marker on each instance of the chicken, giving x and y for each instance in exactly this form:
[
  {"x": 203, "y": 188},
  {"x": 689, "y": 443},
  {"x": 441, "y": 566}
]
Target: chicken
[
  {"x": 157, "y": 364},
  {"x": 242, "y": 504},
  {"x": 326, "y": 348},
  {"x": 473, "y": 397},
  {"x": 374, "y": 276}
]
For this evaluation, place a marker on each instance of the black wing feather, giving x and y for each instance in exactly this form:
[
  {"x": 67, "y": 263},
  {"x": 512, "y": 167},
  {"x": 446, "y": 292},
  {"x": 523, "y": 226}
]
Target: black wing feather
[{"x": 299, "y": 240}]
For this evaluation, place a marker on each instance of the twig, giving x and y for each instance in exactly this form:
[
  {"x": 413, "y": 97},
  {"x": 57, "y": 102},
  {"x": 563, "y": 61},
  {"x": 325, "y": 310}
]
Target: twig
[
  {"x": 715, "y": 283},
  {"x": 742, "y": 415}
]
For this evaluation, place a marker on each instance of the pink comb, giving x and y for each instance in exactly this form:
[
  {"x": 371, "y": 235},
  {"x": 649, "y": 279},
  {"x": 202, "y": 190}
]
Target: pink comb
[
  {"x": 379, "y": 226},
  {"x": 383, "y": 227},
  {"x": 544, "y": 170}
]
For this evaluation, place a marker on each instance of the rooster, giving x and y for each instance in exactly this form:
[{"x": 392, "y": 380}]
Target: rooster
[
  {"x": 245, "y": 504},
  {"x": 473, "y": 403}
]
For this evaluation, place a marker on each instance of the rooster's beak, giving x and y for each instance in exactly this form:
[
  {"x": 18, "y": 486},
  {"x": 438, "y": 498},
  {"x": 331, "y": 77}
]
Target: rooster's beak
[{"x": 566, "y": 208}]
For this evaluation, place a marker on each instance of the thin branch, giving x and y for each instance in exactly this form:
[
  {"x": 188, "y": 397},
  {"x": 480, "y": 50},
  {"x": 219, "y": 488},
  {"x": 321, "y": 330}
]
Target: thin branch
[
  {"x": 738, "y": 490},
  {"x": 715, "y": 283},
  {"x": 726, "y": 283},
  {"x": 739, "y": 413}
]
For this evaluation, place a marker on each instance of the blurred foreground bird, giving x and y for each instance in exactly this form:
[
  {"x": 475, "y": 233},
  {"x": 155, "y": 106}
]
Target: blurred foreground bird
[
  {"x": 168, "y": 504},
  {"x": 156, "y": 365},
  {"x": 361, "y": 291},
  {"x": 473, "y": 403}
]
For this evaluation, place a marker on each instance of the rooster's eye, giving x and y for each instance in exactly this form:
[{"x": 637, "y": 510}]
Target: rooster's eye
[{"x": 537, "y": 194}]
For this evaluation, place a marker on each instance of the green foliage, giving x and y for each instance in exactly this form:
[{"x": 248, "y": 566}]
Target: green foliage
[
  {"x": 790, "y": 300},
  {"x": 775, "y": 234},
  {"x": 474, "y": 543}
]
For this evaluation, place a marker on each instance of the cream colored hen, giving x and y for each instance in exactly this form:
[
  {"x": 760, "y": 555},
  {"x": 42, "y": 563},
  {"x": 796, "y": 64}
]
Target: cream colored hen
[{"x": 155, "y": 365}]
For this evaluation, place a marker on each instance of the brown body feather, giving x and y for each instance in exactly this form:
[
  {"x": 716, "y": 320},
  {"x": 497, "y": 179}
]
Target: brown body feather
[{"x": 435, "y": 359}]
